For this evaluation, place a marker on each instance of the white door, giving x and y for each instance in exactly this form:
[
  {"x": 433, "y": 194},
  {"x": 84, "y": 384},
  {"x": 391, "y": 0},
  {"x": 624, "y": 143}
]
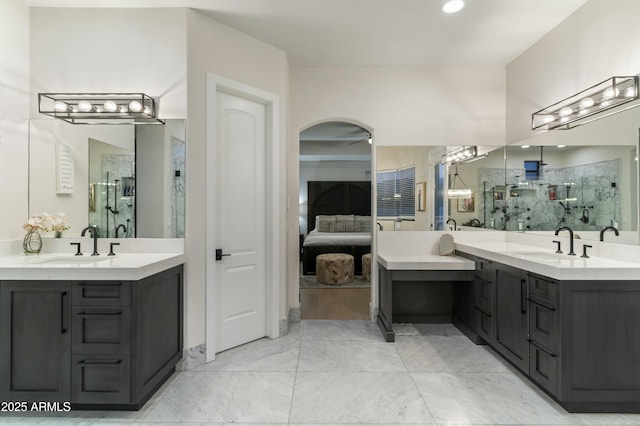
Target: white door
[{"x": 239, "y": 221}]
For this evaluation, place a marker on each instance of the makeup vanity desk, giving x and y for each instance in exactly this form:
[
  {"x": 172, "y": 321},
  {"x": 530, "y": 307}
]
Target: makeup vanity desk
[{"x": 418, "y": 288}]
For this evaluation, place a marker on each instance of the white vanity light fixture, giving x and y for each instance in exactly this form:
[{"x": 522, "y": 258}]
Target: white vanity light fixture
[
  {"x": 100, "y": 108},
  {"x": 452, "y": 6},
  {"x": 588, "y": 105}
]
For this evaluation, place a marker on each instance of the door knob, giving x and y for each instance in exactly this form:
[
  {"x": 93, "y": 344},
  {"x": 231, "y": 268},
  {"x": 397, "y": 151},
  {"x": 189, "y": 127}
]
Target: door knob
[{"x": 219, "y": 254}]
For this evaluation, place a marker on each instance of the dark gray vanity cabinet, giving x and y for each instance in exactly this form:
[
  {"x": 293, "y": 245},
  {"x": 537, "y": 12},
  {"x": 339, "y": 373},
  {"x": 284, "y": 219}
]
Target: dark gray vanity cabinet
[
  {"x": 101, "y": 342},
  {"x": 35, "y": 340},
  {"x": 511, "y": 313},
  {"x": 543, "y": 332},
  {"x": 96, "y": 344}
]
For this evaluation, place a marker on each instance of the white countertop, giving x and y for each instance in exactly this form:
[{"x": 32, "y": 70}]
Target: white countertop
[
  {"x": 545, "y": 261},
  {"x": 125, "y": 266},
  {"x": 424, "y": 262}
]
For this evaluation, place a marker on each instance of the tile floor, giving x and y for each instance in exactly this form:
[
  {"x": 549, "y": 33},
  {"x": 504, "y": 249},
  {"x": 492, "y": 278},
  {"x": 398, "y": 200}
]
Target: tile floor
[{"x": 342, "y": 372}]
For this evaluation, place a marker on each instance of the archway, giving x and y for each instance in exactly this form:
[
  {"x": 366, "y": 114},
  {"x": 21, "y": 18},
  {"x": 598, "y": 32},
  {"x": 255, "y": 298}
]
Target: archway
[{"x": 335, "y": 201}]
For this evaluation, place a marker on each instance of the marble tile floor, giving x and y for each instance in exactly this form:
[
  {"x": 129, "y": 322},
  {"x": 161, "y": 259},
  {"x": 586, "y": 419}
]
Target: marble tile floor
[{"x": 329, "y": 372}]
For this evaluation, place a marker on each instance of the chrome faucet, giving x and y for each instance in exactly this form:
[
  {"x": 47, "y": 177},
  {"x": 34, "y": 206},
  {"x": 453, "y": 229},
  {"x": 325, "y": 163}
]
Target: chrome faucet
[
  {"x": 455, "y": 225},
  {"x": 124, "y": 228},
  {"x": 614, "y": 229},
  {"x": 94, "y": 233},
  {"x": 566, "y": 228}
]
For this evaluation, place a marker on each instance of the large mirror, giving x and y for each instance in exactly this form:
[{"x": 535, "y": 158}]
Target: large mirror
[
  {"x": 585, "y": 178},
  {"x": 127, "y": 180}
]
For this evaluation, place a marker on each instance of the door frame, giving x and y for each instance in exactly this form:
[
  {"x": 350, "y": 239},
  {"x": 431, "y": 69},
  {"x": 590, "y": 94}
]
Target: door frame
[{"x": 215, "y": 84}]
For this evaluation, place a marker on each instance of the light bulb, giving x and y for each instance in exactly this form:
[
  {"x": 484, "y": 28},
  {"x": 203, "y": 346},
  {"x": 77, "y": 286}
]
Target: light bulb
[
  {"x": 60, "y": 106},
  {"x": 110, "y": 106},
  {"x": 565, "y": 111},
  {"x": 146, "y": 110},
  {"x": 610, "y": 93},
  {"x": 586, "y": 103},
  {"x": 453, "y": 6},
  {"x": 370, "y": 140},
  {"x": 630, "y": 92},
  {"x": 85, "y": 106},
  {"x": 564, "y": 119},
  {"x": 135, "y": 106},
  {"x": 548, "y": 119}
]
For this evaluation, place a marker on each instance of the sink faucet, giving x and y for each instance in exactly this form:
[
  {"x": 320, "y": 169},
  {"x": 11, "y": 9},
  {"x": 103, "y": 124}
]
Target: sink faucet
[
  {"x": 94, "y": 233},
  {"x": 455, "y": 225},
  {"x": 614, "y": 229},
  {"x": 566, "y": 228},
  {"x": 124, "y": 228}
]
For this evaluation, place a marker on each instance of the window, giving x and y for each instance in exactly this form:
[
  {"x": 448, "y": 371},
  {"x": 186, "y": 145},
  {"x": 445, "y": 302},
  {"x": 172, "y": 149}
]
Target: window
[{"x": 395, "y": 190}]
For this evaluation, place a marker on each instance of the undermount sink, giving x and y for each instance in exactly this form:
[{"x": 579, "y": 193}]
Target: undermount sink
[
  {"x": 541, "y": 256},
  {"x": 69, "y": 260}
]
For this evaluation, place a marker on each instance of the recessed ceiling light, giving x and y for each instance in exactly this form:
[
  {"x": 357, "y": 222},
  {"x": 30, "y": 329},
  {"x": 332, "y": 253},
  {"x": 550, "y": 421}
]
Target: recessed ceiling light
[
  {"x": 525, "y": 146},
  {"x": 452, "y": 6},
  {"x": 561, "y": 146}
]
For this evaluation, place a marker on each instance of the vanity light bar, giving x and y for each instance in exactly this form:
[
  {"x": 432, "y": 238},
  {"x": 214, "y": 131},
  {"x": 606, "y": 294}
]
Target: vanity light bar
[
  {"x": 583, "y": 107},
  {"x": 100, "y": 108},
  {"x": 459, "y": 155}
]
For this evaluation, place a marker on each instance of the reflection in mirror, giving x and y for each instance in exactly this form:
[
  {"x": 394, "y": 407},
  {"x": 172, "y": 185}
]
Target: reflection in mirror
[
  {"x": 147, "y": 160},
  {"x": 587, "y": 188},
  {"x": 111, "y": 190}
]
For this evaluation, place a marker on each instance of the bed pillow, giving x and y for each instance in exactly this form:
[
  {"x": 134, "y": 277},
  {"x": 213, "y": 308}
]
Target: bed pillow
[
  {"x": 325, "y": 223},
  {"x": 345, "y": 226},
  {"x": 363, "y": 223}
]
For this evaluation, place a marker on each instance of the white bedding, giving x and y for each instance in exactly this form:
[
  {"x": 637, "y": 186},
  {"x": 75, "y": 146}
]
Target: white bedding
[{"x": 318, "y": 239}]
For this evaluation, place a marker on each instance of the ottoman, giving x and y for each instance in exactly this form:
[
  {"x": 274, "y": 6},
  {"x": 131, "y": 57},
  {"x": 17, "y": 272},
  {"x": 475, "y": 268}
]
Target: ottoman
[
  {"x": 334, "y": 268},
  {"x": 366, "y": 267}
]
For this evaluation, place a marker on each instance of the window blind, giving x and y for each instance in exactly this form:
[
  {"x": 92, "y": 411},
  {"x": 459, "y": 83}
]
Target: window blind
[{"x": 396, "y": 193}]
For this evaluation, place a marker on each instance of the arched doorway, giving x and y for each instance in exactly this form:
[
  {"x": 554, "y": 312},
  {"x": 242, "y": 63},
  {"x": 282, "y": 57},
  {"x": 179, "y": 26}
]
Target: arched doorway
[{"x": 335, "y": 218}]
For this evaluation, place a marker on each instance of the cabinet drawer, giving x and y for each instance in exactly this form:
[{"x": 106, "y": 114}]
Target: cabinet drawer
[
  {"x": 484, "y": 298},
  {"x": 485, "y": 325},
  {"x": 100, "y": 379},
  {"x": 101, "y": 293},
  {"x": 542, "y": 290},
  {"x": 543, "y": 368},
  {"x": 101, "y": 330},
  {"x": 484, "y": 268},
  {"x": 542, "y": 325}
]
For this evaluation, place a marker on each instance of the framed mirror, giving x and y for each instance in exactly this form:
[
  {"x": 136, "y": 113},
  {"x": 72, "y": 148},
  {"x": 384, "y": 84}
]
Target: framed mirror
[{"x": 128, "y": 178}]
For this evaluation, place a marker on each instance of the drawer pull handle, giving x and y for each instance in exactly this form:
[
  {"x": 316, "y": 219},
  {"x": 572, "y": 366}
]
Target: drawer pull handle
[
  {"x": 543, "y": 349},
  {"x": 100, "y": 313},
  {"x": 101, "y": 362}
]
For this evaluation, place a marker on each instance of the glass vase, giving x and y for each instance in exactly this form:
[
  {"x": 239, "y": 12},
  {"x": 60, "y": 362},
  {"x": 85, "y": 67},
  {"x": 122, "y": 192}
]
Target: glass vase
[
  {"x": 32, "y": 243},
  {"x": 58, "y": 234}
]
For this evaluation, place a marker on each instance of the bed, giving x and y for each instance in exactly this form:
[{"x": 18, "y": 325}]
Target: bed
[{"x": 339, "y": 214}]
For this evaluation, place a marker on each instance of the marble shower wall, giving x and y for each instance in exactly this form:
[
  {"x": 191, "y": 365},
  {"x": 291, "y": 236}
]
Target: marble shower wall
[
  {"x": 122, "y": 168},
  {"x": 178, "y": 188},
  {"x": 585, "y": 198}
]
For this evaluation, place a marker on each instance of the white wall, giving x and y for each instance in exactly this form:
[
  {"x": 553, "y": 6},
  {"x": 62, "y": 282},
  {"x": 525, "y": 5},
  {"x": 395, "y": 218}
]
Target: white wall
[
  {"x": 110, "y": 50},
  {"x": 214, "y": 47},
  {"x": 14, "y": 114},
  {"x": 152, "y": 190},
  {"x": 327, "y": 171},
  {"x": 595, "y": 43}
]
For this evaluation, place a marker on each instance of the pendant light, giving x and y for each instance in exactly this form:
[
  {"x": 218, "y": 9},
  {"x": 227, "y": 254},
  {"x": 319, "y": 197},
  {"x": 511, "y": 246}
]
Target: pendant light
[{"x": 454, "y": 192}]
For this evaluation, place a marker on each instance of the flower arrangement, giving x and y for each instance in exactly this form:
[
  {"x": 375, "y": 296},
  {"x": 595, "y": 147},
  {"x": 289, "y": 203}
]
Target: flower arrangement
[
  {"x": 46, "y": 222},
  {"x": 58, "y": 223}
]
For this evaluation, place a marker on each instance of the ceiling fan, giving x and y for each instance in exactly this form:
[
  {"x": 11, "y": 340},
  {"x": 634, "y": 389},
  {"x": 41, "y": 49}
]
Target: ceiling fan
[{"x": 359, "y": 138}]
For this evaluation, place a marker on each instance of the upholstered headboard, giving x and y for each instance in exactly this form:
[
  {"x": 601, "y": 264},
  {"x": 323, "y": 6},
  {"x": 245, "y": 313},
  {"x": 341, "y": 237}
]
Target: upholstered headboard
[{"x": 338, "y": 198}]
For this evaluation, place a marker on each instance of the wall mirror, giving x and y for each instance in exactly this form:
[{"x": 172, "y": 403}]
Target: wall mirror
[
  {"x": 127, "y": 179},
  {"x": 411, "y": 183}
]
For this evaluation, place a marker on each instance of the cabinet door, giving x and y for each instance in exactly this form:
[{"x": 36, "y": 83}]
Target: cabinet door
[
  {"x": 511, "y": 315},
  {"x": 35, "y": 341}
]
